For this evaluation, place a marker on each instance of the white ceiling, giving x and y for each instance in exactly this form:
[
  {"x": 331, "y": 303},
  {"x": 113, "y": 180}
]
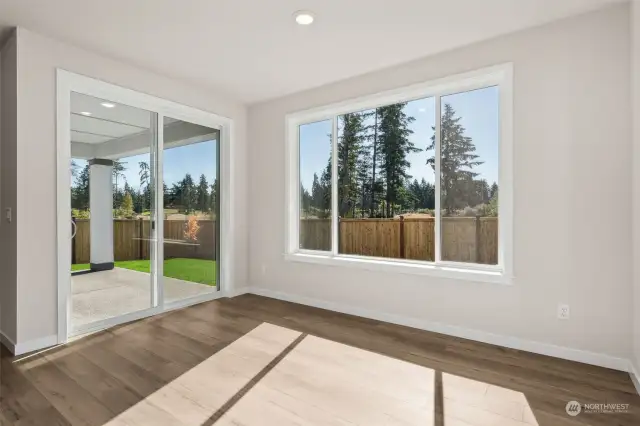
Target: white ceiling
[
  {"x": 104, "y": 124},
  {"x": 251, "y": 49}
]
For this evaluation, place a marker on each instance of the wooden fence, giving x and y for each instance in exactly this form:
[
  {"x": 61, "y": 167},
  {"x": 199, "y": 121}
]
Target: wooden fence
[
  {"x": 465, "y": 239},
  {"x": 131, "y": 240}
]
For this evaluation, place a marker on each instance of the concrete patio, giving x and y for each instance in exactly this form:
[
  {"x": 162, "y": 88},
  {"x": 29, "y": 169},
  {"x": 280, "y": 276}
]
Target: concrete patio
[{"x": 98, "y": 296}]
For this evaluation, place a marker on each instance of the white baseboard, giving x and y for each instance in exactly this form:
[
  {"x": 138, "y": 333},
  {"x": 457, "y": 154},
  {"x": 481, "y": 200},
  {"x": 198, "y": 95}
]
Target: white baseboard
[
  {"x": 571, "y": 354},
  {"x": 238, "y": 292},
  {"x": 635, "y": 377},
  {"x": 7, "y": 342},
  {"x": 22, "y": 348}
]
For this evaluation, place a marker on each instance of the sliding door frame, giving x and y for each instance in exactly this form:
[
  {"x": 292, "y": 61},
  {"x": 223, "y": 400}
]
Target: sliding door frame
[{"x": 68, "y": 82}]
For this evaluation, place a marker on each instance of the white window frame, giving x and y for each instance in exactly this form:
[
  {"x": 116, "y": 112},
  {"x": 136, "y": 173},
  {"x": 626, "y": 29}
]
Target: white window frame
[{"x": 499, "y": 75}]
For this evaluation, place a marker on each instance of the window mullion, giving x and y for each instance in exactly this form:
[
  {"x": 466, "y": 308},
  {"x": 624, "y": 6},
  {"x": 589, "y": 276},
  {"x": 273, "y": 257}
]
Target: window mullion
[
  {"x": 437, "y": 178},
  {"x": 334, "y": 187}
]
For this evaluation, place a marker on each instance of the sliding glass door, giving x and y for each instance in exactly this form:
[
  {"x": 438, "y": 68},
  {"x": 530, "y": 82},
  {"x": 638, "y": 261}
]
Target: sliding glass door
[
  {"x": 191, "y": 210},
  {"x": 130, "y": 259},
  {"x": 112, "y": 207}
]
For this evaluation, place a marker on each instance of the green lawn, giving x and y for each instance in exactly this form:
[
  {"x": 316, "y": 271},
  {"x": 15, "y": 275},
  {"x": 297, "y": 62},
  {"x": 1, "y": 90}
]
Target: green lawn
[{"x": 194, "y": 270}]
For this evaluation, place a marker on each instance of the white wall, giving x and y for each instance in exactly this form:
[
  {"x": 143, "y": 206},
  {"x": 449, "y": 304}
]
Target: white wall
[
  {"x": 635, "y": 72},
  {"x": 38, "y": 58},
  {"x": 572, "y": 173},
  {"x": 8, "y": 138}
]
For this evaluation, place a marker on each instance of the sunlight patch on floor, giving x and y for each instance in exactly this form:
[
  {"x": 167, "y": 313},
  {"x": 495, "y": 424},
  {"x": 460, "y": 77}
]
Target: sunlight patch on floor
[
  {"x": 470, "y": 402},
  {"x": 194, "y": 397},
  {"x": 321, "y": 382}
]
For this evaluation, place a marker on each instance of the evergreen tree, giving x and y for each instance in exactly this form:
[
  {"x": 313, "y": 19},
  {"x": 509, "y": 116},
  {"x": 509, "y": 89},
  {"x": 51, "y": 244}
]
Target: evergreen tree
[
  {"x": 213, "y": 199},
  {"x": 202, "y": 194},
  {"x": 376, "y": 186},
  {"x": 415, "y": 190},
  {"x": 80, "y": 190},
  {"x": 428, "y": 195},
  {"x": 176, "y": 194},
  {"x": 325, "y": 183},
  {"x": 145, "y": 182},
  {"x": 127, "y": 205},
  {"x": 483, "y": 192},
  {"x": 351, "y": 162},
  {"x": 188, "y": 195},
  {"x": 305, "y": 201},
  {"x": 166, "y": 195},
  {"x": 75, "y": 168},
  {"x": 494, "y": 191},
  {"x": 393, "y": 134},
  {"x": 457, "y": 161},
  {"x": 317, "y": 193},
  {"x": 118, "y": 173}
]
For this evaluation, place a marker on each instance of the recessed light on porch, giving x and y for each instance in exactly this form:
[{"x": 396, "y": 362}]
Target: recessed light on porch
[
  {"x": 108, "y": 105},
  {"x": 87, "y": 113}
]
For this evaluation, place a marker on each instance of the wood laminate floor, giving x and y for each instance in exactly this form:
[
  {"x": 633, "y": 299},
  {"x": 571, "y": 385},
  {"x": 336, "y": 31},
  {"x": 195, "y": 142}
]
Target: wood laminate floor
[{"x": 257, "y": 361}]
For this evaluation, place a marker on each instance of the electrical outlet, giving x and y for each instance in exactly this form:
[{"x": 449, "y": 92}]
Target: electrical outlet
[
  {"x": 264, "y": 269},
  {"x": 563, "y": 312}
]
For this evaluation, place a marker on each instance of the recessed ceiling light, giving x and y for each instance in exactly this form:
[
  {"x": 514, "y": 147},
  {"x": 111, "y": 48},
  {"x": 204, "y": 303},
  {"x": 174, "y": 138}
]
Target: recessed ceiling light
[
  {"x": 303, "y": 17},
  {"x": 87, "y": 113},
  {"x": 108, "y": 105}
]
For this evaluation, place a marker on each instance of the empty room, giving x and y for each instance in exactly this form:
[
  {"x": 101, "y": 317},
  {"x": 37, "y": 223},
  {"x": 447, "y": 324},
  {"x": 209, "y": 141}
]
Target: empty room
[{"x": 299, "y": 212}]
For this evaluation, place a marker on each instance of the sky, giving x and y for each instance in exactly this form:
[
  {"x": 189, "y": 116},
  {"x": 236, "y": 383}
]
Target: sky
[
  {"x": 479, "y": 112},
  {"x": 197, "y": 159}
]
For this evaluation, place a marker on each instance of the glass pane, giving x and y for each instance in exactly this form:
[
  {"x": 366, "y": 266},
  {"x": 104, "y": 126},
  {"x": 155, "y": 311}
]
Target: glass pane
[
  {"x": 315, "y": 186},
  {"x": 385, "y": 183},
  {"x": 191, "y": 210},
  {"x": 469, "y": 170},
  {"x": 111, "y": 190}
]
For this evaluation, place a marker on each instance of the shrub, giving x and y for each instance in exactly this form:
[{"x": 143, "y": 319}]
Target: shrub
[
  {"x": 192, "y": 228},
  {"x": 469, "y": 212},
  {"x": 80, "y": 214}
]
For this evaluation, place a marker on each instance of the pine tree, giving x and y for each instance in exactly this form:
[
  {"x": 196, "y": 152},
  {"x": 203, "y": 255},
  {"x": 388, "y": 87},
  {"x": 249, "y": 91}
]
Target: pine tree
[
  {"x": 80, "y": 190},
  {"x": 317, "y": 193},
  {"x": 494, "y": 190},
  {"x": 416, "y": 194},
  {"x": 456, "y": 163},
  {"x": 118, "y": 172},
  {"x": 188, "y": 196},
  {"x": 351, "y": 141},
  {"x": 74, "y": 169},
  {"x": 395, "y": 145},
  {"x": 145, "y": 182},
  {"x": 305, "y": 201},
  {"x": 167, "y": 200},
  {"x": 202, "y": 194},
  {"x": 213, "y": 199},
  {"x": 376, "y": 186},
  {"x": 126, "y": 210},
  {"x": 428, "y": 192},
  {"x": 483, "y": 192},
  {"x": 325, "y": 183}
]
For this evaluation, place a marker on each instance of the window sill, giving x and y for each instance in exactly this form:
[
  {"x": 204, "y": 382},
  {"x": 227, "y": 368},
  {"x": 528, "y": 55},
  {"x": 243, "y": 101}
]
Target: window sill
[{"x": 404, "y": 267}]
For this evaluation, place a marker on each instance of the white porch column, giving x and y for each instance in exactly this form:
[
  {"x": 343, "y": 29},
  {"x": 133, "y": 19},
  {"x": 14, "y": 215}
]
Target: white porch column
[{"x": 101, "y": 207}]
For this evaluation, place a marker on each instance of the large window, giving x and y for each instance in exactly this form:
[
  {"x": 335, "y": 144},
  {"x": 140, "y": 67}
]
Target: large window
[{"x": 417, "y": 179}]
